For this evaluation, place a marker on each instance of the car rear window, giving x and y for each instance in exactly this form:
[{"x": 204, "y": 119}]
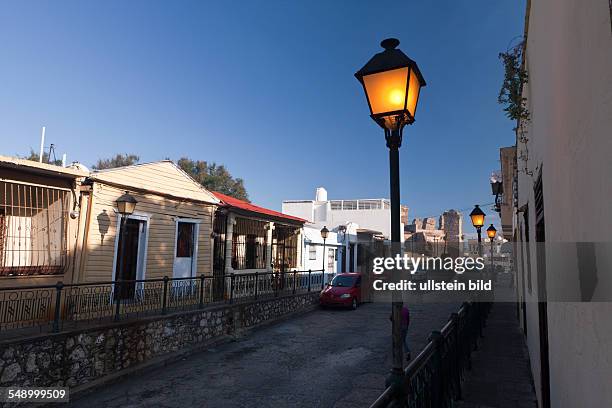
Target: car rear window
[{"x": 343, "y": 281}]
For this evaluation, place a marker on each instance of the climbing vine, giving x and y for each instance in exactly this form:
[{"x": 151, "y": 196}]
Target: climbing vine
[
  {"x": 515, "y": 76},
  {"x": 511, "y": 95}
]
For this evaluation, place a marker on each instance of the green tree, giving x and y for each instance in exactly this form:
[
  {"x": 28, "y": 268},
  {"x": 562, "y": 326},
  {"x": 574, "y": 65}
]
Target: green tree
[
  {"x": 120, "y": 160},
  {"x": 214, "y": 177},
  {"x": 35, "y": 156}
]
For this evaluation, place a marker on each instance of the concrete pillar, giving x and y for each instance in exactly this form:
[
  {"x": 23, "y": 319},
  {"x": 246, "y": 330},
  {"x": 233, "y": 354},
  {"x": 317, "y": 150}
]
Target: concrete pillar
[
  {"x": 270, "y": 228},
  {"x": 299, "y": 244},
  {"x": 229, "y": 234}
]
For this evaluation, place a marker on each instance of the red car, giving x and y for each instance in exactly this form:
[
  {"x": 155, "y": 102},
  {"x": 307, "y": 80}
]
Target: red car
[{"x": 343, "y": 290}]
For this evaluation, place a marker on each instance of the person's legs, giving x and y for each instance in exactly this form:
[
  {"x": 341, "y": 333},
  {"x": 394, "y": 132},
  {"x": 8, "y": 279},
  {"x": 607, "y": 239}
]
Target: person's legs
[{"x": 405, "y": 343}]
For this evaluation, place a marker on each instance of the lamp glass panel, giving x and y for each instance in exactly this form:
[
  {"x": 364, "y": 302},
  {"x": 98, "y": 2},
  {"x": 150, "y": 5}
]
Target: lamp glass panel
[
  {"x": 130, "y": 207},
  {"x": 413, "y": 93},
  {"x": 478, "y": 220},
  {"x": 491, "y": 233},
  {"x": 387, "y": 90}
]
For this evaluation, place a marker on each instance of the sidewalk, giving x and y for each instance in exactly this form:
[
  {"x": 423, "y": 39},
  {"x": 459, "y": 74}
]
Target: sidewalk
[{"x": 500, "y": 375}]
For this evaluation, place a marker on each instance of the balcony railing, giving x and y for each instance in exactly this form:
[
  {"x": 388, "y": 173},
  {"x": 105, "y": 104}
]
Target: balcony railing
[{"x": 66, "y": 306}]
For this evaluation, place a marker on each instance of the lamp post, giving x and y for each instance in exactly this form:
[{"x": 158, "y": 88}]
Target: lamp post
[
  {"x": 392, "y": 82},
  {"x": 478, "y": 218},
  {"x": 491, "y": 231},
  {"x": 126, "y": 204},
  {"x": 324, "y": 234}
]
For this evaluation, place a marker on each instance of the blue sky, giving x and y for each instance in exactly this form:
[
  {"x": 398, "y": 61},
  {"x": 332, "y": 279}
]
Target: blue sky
[{"x": 264, "y": 87}]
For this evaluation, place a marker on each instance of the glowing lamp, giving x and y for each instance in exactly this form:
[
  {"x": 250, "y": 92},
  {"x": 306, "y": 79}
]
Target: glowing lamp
[
  {"x": 478, "y": 217},
  {"x": 392, "y": 83},
  {"x": 491, "y": 231}
]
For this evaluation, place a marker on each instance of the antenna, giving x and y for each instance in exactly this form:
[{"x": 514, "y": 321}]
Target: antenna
[
  {"x": 51, "y": 151},
  {"x": 42, "y": 145}
]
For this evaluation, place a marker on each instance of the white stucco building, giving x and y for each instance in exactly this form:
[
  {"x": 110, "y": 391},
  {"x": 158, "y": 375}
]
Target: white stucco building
[
  {"x": 372, "y": 214},
  {"x": 562, "y": 211}
]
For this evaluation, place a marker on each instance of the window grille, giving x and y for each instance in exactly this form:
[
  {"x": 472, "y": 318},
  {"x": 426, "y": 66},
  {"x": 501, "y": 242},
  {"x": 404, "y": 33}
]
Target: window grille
[
  {"x": 249, "y": 244},
  {"x": 33, "y": 229},
  {"x": 284, "y": 247}
]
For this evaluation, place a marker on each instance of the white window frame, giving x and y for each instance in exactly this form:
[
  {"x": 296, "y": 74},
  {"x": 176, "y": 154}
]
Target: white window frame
[
  {"x": 194, "y": 260},
  {"x": 312, "y": 249}
]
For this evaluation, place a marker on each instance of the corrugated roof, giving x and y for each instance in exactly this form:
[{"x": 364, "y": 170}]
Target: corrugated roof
[
  {"x": 162, "y": 177},
  {"x": 246, "y": 206}
]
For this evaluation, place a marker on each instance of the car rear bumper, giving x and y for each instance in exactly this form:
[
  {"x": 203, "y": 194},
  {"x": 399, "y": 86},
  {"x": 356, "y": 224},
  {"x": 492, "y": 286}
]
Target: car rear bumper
[{"x": 327, "y": 301}]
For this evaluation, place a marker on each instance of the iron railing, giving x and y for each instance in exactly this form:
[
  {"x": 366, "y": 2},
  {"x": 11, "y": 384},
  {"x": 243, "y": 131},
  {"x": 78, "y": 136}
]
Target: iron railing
[
  {"x": 65, "y": 306},
  {"x": 433, "y": 379}
]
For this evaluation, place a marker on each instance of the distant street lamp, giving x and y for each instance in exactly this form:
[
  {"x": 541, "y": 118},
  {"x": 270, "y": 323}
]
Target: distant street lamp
[
  {"x": 478, "y": 218},
  {"x": 491, "y": 231},
  {"x": 324, "y": 234},
  {"x": 126, "y": 204},
  {"x": 392, "y": 83}
]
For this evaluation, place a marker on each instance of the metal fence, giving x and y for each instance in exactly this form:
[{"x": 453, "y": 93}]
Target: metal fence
[
  {"x": 433, "y": 379},
  {"x": 66, "y": 306}
]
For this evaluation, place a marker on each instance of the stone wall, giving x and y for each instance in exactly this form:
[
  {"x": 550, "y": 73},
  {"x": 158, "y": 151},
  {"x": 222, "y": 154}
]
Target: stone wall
[{"x": 76, "y": 358}]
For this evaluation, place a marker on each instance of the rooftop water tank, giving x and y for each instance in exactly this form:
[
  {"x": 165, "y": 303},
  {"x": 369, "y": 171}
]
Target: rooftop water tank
[{"x": 321, "y": 194}]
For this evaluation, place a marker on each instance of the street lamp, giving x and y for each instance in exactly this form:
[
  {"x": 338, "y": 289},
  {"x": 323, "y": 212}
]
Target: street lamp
[
  {"x": 126, "y": 204},
  {"x": 491, "y": 231},
  {"x": 324, "y": 234},
  {"x": 392, "y": 83},
  {"x": 478, "y": 217}
]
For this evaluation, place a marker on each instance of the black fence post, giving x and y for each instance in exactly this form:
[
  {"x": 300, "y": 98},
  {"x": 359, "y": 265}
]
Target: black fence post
[
  {"x": 165, "y": 296},
  {"x": 309, "y": 272},
  {"x": 202, "y": 282},
  {"x": 457, "y": 351},
  {"x": 58, "y": 306},
  {"x": 231, "y": 297},
  {"x": 117, "y": 300},
  {"x": 256, "y": 283},
  {"x": 437, "y": 385},
  {"x": 294, "y": 277}
]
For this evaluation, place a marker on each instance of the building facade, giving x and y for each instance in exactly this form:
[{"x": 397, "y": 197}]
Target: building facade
[
  {"x": 561, "y": 220},
  {"x": 373, "y": 214},
  {"x": 39, "y": 222}
]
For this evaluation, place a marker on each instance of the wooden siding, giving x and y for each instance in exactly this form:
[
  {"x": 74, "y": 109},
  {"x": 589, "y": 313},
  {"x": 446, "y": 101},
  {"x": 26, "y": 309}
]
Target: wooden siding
[
  {"x": 164, "y": 177},
  {"x": 163, "y": 213}
]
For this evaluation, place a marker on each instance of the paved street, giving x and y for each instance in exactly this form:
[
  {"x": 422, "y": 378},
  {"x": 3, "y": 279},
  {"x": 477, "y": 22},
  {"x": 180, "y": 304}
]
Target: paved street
[{"x": 326, "y": 358}]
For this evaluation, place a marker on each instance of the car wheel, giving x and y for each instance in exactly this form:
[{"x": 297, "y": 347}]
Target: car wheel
[{"x": 354, "y": 304}]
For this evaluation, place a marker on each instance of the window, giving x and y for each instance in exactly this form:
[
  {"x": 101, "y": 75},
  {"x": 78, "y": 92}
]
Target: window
[
  {"x": 312, "y": 252},
  {"x": 184, "y": 240},
  {"x": 330, "y": 259},
  {"x": 33, "y": 229}
]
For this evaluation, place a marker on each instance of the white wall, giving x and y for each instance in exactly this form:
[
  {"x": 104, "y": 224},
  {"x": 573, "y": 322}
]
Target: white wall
[{"x": 569, "y": 59}]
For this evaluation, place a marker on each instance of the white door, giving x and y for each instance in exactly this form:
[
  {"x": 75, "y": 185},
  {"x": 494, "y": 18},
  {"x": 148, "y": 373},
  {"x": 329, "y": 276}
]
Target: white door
[{"x": 186, "y": 249}]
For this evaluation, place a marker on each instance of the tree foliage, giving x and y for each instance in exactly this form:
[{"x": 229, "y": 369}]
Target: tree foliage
[
  {"x": 120, "y": 160},
  {"x": 515, "y": 76},
  {"x": 35, "y": 156},
  {"x": 214, "y": 177}
]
